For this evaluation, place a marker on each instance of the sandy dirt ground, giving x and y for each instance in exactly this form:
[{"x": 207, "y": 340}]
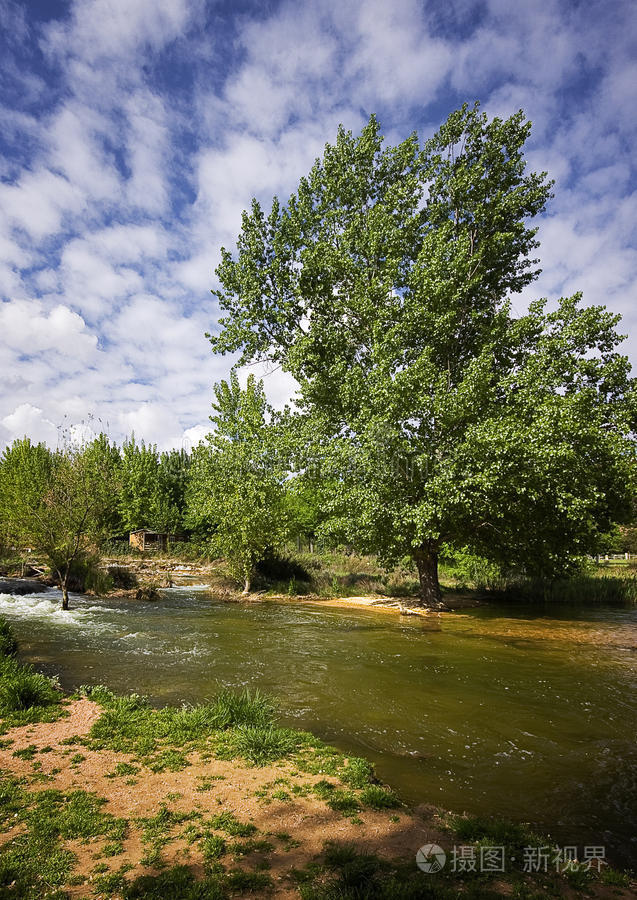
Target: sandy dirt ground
[{"x": 308, "y": 820}]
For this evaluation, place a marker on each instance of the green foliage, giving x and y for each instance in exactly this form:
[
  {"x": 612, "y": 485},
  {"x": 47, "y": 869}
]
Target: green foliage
[
  {"x": 25, "y": 471},
  {"x": 8, "y": 642},
  {"x": 236, "y": 483},
  {"x": 228, "y": 822},
  {"x": 358, "y": 772},
  {"x": 378, "y": 797},
  {"x": 62, "y": 503},
  {"x": 34, "y": 863},
  {"x": 435, "y": 413},
  {"x": 470, "y": 569},
  {"x": 22, "y": 689},
  {"x": 153, "y": 487},
  {"x": 261, "y": 745}
]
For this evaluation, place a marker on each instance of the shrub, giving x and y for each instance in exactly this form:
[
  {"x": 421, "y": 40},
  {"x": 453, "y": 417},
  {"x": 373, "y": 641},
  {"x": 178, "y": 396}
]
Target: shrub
[
  {"x": 277, "y": 566},
  {"x": 122, "y": 577}
]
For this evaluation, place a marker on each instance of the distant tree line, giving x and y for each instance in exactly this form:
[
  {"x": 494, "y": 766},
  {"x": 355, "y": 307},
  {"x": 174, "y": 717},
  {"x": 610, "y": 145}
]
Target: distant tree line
[{"x": 231, "y": 496}]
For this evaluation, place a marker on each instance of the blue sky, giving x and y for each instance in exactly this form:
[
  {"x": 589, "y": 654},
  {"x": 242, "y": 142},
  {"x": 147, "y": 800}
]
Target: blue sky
[{"x": 134, "y": 132}]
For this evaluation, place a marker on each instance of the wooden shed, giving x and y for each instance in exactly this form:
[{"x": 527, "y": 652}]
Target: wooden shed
[{"x": 145, "y": 539}]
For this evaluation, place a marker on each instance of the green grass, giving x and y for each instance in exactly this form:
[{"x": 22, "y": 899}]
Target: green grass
[
  {"x": 228, "y": 822},
  {"x": 213, "y": 846},
  {"x": 35, "y": 861},
  {"x": 576, "y": 589},
  {"x": 260, "y": 745},
  {"x": 178, "y": 883},
  {"x": 22, "y": 689},
  {"x": 130, "y": 724},
  {"x": 358, "y": 772},
  {"x": 25, "y": 696},
  {"x": 159, "y": 830},
  {"x": 8, "y": 642},
  {"x": 377, "y": 797},
  {"x": 26, "y": 752}
]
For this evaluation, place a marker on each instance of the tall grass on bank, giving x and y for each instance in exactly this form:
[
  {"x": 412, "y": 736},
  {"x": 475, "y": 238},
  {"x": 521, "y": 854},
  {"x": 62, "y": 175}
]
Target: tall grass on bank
[
  {"x": 25, "y": 695},
  {"x": 8, "y": 643},
  {"x": 577, "y": 589}
]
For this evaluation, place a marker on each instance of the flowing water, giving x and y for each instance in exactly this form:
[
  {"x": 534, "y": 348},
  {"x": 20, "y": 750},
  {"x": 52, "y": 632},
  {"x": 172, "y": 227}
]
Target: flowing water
[{"x": 525, "y": 713}]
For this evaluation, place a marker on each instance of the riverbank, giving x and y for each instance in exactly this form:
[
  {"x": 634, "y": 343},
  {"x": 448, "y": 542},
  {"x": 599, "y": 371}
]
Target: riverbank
[{"x": 105, "y": 796}]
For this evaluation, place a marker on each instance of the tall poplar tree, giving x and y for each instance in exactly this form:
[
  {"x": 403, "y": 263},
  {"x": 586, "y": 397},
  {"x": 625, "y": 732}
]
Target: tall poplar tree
[{"x": 383, "y": 287}]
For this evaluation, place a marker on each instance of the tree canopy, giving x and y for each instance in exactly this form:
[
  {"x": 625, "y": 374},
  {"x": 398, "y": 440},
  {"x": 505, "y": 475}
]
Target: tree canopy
[
  {"x": 439, "y": 414},
  {"x": 236, "y": 484},
  {"x": 60, "y": 503}
]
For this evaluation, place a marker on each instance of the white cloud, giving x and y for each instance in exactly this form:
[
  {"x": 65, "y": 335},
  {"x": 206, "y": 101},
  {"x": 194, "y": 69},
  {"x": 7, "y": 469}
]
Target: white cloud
[
  {"x": 116, "y": 28},
  {"x": 39, "y": 201},
  {"x": 29, "y": 420},
  {"x": 133, "y": 155},
  {"x": 28, "y": 329}
]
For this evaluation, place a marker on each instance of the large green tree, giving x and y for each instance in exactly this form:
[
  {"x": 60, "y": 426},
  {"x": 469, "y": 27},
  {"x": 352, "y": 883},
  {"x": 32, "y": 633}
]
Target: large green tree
[
  {"x": 383, "y": 287},
  {"x": 236, "y": 481}
]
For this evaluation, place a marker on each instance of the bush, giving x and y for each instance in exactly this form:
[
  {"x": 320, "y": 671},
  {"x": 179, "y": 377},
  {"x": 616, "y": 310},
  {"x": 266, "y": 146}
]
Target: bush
[
  {"x": 281, "y": 567},
  {"x": 122, "y": 577},
  {"x": 470, "y": 569}
]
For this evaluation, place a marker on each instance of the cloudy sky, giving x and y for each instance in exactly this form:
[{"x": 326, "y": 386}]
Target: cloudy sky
[{"x": 134, "y": 132}]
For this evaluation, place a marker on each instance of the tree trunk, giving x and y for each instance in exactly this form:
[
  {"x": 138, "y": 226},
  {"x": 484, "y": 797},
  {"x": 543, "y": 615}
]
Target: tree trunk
[
  {"x": 65, "y": 595},
  {"x": 246, "y": 586},
  {"x": 426, "y": 559}
]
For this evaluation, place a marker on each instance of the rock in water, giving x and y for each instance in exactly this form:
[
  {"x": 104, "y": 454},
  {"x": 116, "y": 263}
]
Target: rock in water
[{"x": 147, "y": 594}]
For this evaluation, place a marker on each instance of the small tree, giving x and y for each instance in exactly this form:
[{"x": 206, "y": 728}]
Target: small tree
[
  {"x": 236, "y": 482},
  {"x": 383, "y": 288},
  {"x": 59, "y": 503}
]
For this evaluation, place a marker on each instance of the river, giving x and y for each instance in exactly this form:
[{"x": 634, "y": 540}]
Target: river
[{"x": 528, "y": 713}]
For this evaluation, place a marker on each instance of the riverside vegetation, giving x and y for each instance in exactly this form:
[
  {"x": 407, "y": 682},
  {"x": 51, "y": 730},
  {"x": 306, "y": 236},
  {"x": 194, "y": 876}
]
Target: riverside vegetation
[{"x": 175, "y": 778}]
